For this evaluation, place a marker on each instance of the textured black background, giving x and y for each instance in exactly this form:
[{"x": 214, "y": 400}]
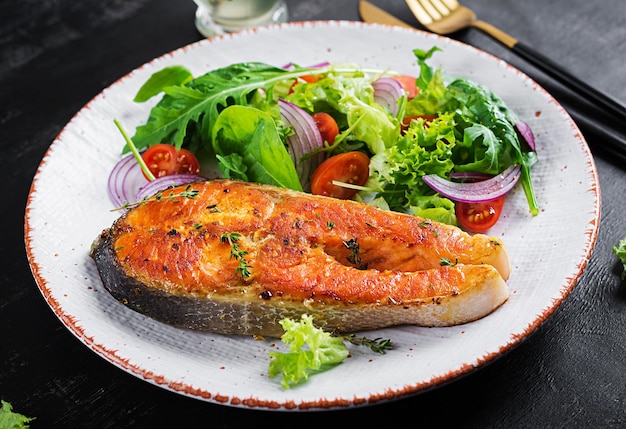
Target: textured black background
[{"x": 55, "y": 55}]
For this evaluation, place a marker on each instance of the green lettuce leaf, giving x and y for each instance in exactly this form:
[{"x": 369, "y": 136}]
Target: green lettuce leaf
[
  {"x": 434, "y": 207},
  {"x": 349, "y": 98},
  {"x": 248, "y": 145},
  {"x": 311, "y": 351},
  {"x": 12, "y": 420},
  {"x": 399, "y": 169}
]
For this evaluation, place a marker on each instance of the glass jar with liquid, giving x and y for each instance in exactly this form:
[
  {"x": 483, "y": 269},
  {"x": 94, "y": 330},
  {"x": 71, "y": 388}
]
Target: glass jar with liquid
[{"x": 215, "y": 17}]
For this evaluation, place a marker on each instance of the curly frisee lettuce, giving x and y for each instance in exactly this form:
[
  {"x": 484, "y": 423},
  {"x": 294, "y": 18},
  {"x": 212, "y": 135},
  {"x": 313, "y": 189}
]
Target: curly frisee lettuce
[
  {"x": 12, "y": 420},
  {"x": 323, "y": 353},
  {"x": 312, "y": 350}
]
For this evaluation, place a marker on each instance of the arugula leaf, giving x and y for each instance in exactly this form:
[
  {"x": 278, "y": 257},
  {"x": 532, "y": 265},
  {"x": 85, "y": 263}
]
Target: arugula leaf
[
  {"x": 427, "y": 81},
  {"x": 323, "y": 353},
  {"x": 193, "y": 106},
  {"x": 12, "y": 420},
  {"x": 249, "y": 147},
  {"x": 169, "y": 76},
  {"x": 620, "y": 252},
  {"x": 497, "y": 146}
]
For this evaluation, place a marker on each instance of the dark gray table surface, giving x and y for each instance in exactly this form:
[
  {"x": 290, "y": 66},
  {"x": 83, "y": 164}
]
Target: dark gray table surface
[{"x": 56, "y": 55}]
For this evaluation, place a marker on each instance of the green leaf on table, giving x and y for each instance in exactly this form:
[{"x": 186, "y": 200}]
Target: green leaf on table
[
  {"x": 12, "y": 420},
  {"x": 620, "y": 252}
]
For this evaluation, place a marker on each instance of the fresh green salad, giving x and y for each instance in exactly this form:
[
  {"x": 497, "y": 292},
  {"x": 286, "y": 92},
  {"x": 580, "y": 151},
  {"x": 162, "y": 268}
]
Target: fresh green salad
[{"x": 440, "y": 147}]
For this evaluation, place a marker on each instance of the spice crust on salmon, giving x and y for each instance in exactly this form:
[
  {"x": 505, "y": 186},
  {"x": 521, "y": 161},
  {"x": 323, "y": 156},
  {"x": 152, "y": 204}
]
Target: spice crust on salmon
[{"x": 236, "y": 258}]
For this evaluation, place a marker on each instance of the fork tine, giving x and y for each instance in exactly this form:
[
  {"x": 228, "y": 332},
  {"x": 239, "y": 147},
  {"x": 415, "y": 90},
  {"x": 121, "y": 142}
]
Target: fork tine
[
  {"x": 452, "y": 4},
  {"x": 441, "y": 7},
  {"x": 430, "y": 9},
  {"x": 420, "y": 13}
]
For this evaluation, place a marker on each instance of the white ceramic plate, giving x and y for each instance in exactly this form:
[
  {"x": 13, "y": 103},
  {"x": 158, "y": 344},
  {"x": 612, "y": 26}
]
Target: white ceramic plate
[{"x": 68, "y": 207}]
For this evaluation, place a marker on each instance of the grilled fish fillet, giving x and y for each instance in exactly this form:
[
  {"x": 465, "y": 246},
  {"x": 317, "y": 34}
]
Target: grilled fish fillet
[{"x": 238, "y": 257}]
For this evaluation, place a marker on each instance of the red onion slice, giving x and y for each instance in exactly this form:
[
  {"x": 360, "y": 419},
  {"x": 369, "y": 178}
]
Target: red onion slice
[
  {"x": 527, "y": 134},
  {"x": 305, "y": 139},
  {"x": 387, "y": 91},
  {"x": 125, "y": 180},
  {"x": 164, "y": 182},
  {"x": 127, "y": 184},
  {"x": 475, "y": 192}
]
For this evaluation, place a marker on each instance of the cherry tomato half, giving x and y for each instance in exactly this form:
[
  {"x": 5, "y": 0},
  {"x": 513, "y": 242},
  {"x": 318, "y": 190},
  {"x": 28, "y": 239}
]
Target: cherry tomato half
[
  {"x": 163, "y": 159},
  {"x": 348, "y": 167},
  {"x": 327, "y": 125},
  {"x": 479, "y": 217},
  {"x": 408, "y": 83}
]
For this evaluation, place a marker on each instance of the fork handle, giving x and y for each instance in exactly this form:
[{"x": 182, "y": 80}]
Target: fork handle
[{"x": 551, "y": 68}]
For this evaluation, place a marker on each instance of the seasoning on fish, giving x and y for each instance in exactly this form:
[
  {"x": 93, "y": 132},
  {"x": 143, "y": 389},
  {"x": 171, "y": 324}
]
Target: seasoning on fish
[{"x": 236, "y": 258}]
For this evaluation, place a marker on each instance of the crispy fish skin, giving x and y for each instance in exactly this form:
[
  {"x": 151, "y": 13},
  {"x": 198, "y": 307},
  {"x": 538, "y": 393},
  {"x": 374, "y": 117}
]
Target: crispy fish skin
[{"x": 351, "y": 266}]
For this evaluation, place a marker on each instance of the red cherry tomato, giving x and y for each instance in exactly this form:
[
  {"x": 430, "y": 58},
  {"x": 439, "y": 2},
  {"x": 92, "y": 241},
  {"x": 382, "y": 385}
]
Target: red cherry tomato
[
  {"x": 327, "y": 125},
  {"x": 163, "y": 159},
  {"x": 408, "y": 83},
  {"x": 479, "y": 217},
  {"x": 187, "y": 162},
  {"x": 348, "y": 167}
]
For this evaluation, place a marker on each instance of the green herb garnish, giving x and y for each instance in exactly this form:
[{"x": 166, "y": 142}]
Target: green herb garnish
[
  {"x": 447, "y": 262},
  {"x": 353, "y": 246},
  {"x": 163, "y": 195},
  {"x": 232, "y": 238},
  {"x": 377, "y": 345}
]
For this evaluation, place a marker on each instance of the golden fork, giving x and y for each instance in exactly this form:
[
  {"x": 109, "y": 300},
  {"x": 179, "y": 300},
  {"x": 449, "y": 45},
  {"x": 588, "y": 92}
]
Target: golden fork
[{"x": 448, "y": 16}]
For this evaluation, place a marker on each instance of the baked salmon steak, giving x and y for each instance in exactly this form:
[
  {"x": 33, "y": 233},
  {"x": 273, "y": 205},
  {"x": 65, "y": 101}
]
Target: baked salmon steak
[{"x": 236, "y": 258}]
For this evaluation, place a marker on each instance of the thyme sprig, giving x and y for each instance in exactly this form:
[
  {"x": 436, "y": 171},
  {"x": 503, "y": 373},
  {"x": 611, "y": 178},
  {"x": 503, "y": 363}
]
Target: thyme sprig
[
  {"x": 232, "y": 238},
  {"x": 354, "y": 248},
  {"x": 163, "y": 195},
  {"x": 377, "y": 345},
  {"x": 447, "y": 262}
]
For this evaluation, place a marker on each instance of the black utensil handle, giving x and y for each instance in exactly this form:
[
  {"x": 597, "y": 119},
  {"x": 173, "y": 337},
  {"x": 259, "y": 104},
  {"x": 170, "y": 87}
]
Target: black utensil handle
[
  {"x": 602, "y": 139},
  {"x": 551, "y": 68}
]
